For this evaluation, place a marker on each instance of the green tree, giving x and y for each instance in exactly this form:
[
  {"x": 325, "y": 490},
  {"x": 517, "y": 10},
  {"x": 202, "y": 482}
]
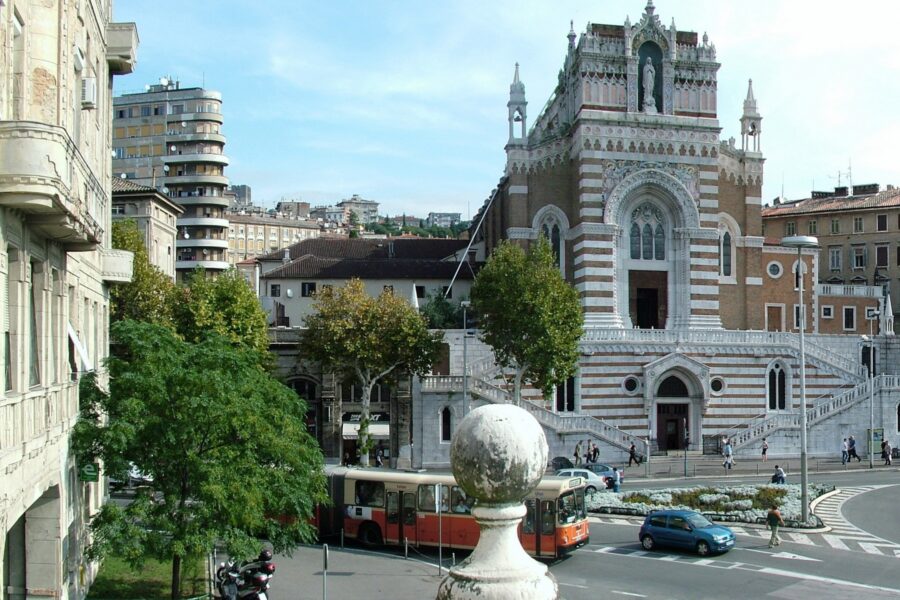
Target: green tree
[
  {"x": 529, "y": 315},
  {"x": 225, "y": 444},
  {"x": 224, "y": 305},
  {"x": 368, "y": 340},
  {"x": 149, "y": 296},
  {"x": 440, "y": 313}
]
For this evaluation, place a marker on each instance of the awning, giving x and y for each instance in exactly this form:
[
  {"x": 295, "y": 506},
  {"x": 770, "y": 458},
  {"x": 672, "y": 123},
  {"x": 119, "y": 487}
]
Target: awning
[
  {"x": 377, "y": 431},
  {"x": 86, "y": 364}
]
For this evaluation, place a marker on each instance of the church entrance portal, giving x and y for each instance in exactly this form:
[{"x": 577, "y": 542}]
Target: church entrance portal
[
  {"x": 671, "y": 424},
  {"x": 648, "y": 299}
]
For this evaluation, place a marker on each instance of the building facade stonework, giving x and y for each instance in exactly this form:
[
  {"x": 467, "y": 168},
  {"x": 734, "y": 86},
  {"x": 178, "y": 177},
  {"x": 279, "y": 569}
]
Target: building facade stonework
[
  {"x": 57, "y": 61},
  {"x": 691, "y": 315}
]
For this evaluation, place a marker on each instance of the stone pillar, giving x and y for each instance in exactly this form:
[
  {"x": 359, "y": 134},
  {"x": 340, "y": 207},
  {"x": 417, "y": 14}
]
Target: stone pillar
[
  {"x": 491, "y": 464},
  {"x": 43, "y": 546}
]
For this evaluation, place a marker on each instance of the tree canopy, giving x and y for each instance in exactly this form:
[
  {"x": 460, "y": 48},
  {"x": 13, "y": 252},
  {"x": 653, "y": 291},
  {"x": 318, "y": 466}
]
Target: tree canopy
[
  {"x": 225, "y": 305},
  {"x": 441, "y": 313},
  {"x": 529, "y": 315},
  {"x": 225, "y": 444},
  {"x": 368, "y": 340},
  {"x": 150, "y": 295}
]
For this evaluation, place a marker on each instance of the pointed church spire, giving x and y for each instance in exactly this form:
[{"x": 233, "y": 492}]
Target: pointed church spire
[
  {"x": 750, "y": 102},
  {"x": 649, "y": 8},
  {"x": 751, "y": 122},
  {"x": 571, "y": 35},
  {"x": 517, "y": 107}
]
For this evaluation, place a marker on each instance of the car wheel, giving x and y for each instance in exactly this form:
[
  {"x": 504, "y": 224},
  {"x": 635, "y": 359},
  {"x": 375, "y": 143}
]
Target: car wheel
[
  {"x": 702, "y": 548},
  {"x": 647, "y": 542},
  {"x": 591, "y": 490}
]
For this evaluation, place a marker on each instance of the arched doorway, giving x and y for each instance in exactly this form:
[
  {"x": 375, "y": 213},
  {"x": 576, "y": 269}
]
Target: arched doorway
[{"x": 672, "y": 414}]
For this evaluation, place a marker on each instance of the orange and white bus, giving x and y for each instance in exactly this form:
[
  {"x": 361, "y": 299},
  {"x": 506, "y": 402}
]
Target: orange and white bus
[{"x": 380, "y": 506}]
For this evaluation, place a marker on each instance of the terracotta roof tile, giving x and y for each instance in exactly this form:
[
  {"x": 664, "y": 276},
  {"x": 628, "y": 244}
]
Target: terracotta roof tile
[{"x": 883, "y": 199}]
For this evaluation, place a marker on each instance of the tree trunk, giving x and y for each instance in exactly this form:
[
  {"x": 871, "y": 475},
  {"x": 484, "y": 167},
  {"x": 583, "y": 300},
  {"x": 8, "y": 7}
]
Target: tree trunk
[
  {"x": 176, "y": 577},
  {"x": 362, "y": 441}
]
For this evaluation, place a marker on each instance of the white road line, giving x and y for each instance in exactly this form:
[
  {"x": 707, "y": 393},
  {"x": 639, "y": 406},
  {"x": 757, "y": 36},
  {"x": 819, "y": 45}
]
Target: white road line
[
  {"x": 834, "y": 542},
  {"x": 605, "y": 550},
  {"x": 739, "y": 530},
  {"x": 702, "y": 562},
  {"x": 627, "y": 593},
  {"x": 809, "y": 577},
  {"x": 870, "y": 548},
  {"x": 669, "y": 557},
  {"x": 800, "y": 538}
]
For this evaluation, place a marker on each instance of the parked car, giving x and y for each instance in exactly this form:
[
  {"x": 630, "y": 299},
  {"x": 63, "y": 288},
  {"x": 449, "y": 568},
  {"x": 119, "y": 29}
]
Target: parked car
[
  {"x": 593, "y": 482},
  {"x": 686, "y": 529},
  {"x": 603, "y": 470},
  {"x": 560, "y": 462},
  {"x": 137, "y": 478}
]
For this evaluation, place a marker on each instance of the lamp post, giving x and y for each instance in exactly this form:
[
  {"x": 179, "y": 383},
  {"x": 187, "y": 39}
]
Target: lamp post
[
  {"x": 465, "y": 305},
  {"x": 800, "y": 242},
  {"x": 870, "y": 341}
]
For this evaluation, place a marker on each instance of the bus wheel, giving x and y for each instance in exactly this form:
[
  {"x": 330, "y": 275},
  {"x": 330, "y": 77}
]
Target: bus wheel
[{"x": 369, "y": 534}]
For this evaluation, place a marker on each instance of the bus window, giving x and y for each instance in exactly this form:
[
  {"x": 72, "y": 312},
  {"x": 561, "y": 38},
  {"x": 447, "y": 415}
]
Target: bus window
[
  {"x": 409, "y": 509},
  {"x": 567, "y": 511},
  {"x": 369, "y": 493},
  {"x": 548, "y": 518},
  {"x": 445, "y": 498},
  {"x": 579, "y": 503},
  {"x": 459, "y": 501},
  {"x": 528, "y": 523},
  {"x": 426, "y": 498}
]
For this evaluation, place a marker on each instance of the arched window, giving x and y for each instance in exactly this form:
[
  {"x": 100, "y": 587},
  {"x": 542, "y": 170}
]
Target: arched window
[
  {"x": 725, "y": 254},
  {"x": 550, "y": 228},
  {"x": 648, "y": 233},
  {"x": 672, "y": 387},
  {"x": 776, "y": 385},
  {"x": 445, "y": 424}
]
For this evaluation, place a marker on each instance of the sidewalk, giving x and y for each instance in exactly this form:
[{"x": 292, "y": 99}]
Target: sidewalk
[{"x": 352, "y": 573}]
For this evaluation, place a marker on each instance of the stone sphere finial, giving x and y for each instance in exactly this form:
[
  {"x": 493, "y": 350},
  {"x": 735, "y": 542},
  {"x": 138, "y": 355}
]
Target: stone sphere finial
[{"x": 498, "y": 456}]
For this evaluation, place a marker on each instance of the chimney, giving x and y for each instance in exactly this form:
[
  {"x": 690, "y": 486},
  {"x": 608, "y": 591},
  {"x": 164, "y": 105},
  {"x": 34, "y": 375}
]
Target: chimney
[
  {"x": 841, "y": 192},
  {"x": 287, "y": 256}
]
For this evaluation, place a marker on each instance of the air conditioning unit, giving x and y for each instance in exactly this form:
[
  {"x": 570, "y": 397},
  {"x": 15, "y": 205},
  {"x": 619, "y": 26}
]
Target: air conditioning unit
[{"x": 89, "y": 92}]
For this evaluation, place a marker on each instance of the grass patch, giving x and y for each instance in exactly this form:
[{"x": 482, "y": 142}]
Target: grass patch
[{"x": 118, "y": 581}]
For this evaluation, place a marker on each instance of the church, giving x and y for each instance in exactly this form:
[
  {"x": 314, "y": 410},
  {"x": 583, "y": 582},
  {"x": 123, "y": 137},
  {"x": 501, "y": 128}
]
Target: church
[{"x": 692, "y": 316}]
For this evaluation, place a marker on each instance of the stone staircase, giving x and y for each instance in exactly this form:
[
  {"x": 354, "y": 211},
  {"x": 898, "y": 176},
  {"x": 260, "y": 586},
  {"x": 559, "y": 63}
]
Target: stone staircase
[{"x": 764, "y": 426}]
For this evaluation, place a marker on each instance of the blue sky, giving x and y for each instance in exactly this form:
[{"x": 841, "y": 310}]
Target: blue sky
[{"x": 404, "y": 102}]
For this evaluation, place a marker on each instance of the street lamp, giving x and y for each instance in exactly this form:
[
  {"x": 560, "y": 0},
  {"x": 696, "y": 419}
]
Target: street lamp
[
  {"x": 800, "y": 242},
  {"x": 871, "y": 315},
  {"x": 465, "y": 304}
]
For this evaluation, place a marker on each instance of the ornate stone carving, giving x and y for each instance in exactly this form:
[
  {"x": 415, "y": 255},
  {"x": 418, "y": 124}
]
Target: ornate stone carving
[{"x": 614, "y": 172}]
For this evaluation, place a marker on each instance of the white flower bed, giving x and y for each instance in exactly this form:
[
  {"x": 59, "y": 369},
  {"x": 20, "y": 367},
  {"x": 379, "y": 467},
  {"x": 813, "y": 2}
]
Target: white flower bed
[{"x": 737, "y": 509}]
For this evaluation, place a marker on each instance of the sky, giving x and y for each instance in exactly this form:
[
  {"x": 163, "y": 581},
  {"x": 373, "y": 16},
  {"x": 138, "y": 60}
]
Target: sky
[{"x": 404, "y": 102}]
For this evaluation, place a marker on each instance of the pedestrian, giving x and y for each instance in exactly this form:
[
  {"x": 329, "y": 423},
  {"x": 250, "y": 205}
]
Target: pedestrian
[
  {"x": 632, "y": 455},
  {"x": 379, "y": 457},
  {"x": 578, "y": 453},
  {"x": 779, "y": 476},
  {"x": 727, "y": 453},
  {"x": 617, "y": 479},
  {"x": 765, "y": 450},
  {"x": 845, "y": 453},
  {"x": 774, "y": 521},
  {"x": 851, "y": 449},
  {"x": 883, "y": 444},
  {"x": 887, "y": 453},
  {"x": 596, "y": 454}
]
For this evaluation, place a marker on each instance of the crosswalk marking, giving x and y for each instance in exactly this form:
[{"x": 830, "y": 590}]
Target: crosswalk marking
[
  {"x": 800, "y": 538},
  {"x": 835, "y": 542},
  {"x": 844, "y": 534}
]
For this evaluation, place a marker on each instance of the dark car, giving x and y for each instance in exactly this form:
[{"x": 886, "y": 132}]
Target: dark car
[
  {"x": 560, "y": 462},
  {"x": 685, "y": 529}
]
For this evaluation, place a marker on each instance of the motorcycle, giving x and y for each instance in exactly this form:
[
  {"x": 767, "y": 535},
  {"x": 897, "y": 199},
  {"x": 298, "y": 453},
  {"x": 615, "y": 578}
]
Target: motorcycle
[{"x": 249, "y": 580}]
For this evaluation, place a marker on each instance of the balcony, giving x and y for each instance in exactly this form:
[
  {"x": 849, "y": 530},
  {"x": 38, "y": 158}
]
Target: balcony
[
  {"x": 201, "y": 201},
  {"x": 202, "y": 222},
  {"x": 209, "y": 265},
  {"x": 215, "y": 117},
  {"x": 196, "y": 179},
  {"x": 852, "y": 291},
  {"x": 43, "y": 175},
  {"x": 116, "y": 265},
  {"x": 193, "y": 242},
  {"x": 198, "y": 157},
  {"x": 195, "y": 137},
  {"x": 121, "y": 49}
]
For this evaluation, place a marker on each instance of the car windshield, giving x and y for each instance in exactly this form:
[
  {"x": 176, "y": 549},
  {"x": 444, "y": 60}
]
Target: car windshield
[{"x": 698, "y": 521}]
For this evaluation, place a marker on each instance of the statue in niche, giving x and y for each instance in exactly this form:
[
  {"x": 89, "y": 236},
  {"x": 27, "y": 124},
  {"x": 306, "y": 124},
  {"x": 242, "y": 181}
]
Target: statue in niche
[{"x": 649, "y": 84}]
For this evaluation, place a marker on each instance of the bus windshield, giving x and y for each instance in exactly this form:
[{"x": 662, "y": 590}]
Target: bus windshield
[{"x": 570, "y": 506}]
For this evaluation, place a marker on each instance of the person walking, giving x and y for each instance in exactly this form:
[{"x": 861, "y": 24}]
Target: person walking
[
  {"x": 765, "y": 450},
  {"x": 727, "y": 453},
  {"x": 851, "y": 450},
  {"x": 779, "y": 476},
  {"x": 578, "y": 454},
  {"x": 887, "y": 453},
  {"x": 617, "y": 479},
  {"x": 845, "y": 452},
  {"x": 632, "y": 455},
  {"x": 774, "y": 521}
]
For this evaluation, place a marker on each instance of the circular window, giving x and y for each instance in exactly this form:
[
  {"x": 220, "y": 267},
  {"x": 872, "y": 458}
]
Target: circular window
[
  {"x": 774, "y": 269},
  {"x": 717, "y": 385},
  {"x": 631, "y": 385}
]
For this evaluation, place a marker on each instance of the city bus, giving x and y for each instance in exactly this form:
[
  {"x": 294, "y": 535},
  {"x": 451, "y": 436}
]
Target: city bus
[{"x": 380, "y": 506}]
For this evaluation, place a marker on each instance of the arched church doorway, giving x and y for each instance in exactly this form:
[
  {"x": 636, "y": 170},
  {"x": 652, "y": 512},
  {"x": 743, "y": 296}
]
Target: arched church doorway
[{"x": 672, "y": 414}]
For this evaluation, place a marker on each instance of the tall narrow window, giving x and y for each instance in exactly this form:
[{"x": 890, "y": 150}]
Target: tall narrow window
[
  {"x": 659, "y": 244},
  {"x": 647, "y": 242},
  {"x": 726, "y": 254},
  {"x": 777, "y": 387},
  {"x": 445, "y": 424},
  {"x": 635, "y": 241},
  {"x": 35, "y": 355},
  {"x": 648, "y": 233},
  {"x": 7, "y": 285}
]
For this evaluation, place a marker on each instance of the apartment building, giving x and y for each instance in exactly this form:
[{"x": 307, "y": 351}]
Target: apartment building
[
  {"x": 155, "y": 215},
  {"x": 57, "y": 60},
  {"x": 254, "y": 235},
  {"x": 446, "y": 220},
  {"x": 170, "y": 138},
  {"x": 366, "y": 210}
]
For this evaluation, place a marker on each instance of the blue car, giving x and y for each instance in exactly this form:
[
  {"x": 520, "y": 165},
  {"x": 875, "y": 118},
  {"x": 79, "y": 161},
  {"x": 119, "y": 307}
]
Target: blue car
[{"x": 685, "y": 529}]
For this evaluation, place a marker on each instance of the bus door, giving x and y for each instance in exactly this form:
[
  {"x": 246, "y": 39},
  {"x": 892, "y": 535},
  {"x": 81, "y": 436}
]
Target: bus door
[
  {"x": 529, "y": 527},
  {"x": 393, "y": 526},
  {"x": 547, "y": 528},
  {"x": 408, "y": 518}
]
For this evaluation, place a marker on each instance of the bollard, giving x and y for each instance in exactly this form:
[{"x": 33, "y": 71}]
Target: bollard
[
  {"x": 453, "y": 558},
  {"x": 324, "y": 571},
  {"x": 406, "y": 548},
  {"x": 342, "y": 538}
]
